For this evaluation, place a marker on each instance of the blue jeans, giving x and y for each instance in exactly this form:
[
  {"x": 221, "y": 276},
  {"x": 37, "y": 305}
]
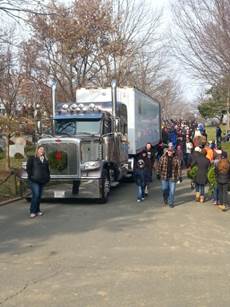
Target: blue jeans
[
  {"x": 36, "y": 190},
  {"x": 223, "y": 193},
  {"x": 200, "y": 188},
  {"x": 168, "y": 188},
  {"x": 216, "y": 195},
  {"x": 140, "y": 192}
]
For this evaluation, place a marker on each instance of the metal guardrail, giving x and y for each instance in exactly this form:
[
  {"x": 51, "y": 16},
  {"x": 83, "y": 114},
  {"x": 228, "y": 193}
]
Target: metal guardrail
[
  {"x": 5, "y": 180},
  {"x": 18, "y": 187}
]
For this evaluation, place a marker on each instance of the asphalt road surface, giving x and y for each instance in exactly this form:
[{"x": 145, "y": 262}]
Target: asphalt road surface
[{"x": 119, "y": 254}]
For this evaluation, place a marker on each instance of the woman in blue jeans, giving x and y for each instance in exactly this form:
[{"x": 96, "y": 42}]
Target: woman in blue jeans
[{"x": 38, "y": 175}]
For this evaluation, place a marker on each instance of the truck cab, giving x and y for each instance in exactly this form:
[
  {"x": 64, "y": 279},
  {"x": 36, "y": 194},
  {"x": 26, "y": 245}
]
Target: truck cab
[{"x": 86, "y": 152}]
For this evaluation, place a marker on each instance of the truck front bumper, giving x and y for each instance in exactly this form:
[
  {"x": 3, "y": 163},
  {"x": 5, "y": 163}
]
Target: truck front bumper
[{"x": 69, "y": 189}]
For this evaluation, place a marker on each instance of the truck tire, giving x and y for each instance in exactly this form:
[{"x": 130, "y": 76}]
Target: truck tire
[{"x": 105, "y": 189}]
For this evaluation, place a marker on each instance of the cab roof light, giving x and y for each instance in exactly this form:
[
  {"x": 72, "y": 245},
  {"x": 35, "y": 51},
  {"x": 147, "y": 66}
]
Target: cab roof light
[
  {"x": 73, "y": 107},
  {"x": 92, "y": 107},
  {"x": 65, "y": 108}
]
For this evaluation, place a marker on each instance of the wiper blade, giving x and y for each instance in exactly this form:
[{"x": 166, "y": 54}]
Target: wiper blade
[
  {"x": 65, "y": 133},
  {"x": 62, "y": 128},
  {"x": 87, "y": 133}
]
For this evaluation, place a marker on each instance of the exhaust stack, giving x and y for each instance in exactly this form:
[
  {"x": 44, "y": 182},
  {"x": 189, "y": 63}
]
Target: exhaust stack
[
  {"x": 114, "y": 98},
  {"x": 54, "y": 83}
]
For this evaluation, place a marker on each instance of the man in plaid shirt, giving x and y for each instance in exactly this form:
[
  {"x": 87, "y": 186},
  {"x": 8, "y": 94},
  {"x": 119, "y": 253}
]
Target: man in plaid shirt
[{"x": 169, "y": 171}]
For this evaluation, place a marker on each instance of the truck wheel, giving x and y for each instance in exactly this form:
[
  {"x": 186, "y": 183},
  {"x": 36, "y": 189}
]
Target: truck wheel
[{"x": 105, "y": 189}]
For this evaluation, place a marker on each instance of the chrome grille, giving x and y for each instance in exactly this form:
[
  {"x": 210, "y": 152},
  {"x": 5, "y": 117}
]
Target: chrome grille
[{"x": 58, "y": 153}]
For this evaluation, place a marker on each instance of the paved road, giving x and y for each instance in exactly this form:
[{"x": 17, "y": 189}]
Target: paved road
[{"x": 119, "y": 254}]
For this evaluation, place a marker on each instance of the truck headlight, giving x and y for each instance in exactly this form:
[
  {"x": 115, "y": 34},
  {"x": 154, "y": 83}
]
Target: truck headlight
[{"x": 90, "y": 165}]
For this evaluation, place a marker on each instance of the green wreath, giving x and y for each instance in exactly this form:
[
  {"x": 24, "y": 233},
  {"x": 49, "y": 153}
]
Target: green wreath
[
  {"x": 211, "y": 179},
  {"x": 58, "y": 160},
  {"x": 191, "y": 173}
]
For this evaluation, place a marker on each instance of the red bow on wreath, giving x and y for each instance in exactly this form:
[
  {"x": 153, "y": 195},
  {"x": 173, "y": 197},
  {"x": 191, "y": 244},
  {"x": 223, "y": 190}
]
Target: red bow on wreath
[{"x": 58, "y": 155}]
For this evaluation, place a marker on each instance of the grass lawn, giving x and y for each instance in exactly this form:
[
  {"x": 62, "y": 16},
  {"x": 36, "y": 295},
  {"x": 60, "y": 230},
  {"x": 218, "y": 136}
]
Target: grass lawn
[
  {"x": 226, "y": 147},
  {"x": 211, "y": 132}
]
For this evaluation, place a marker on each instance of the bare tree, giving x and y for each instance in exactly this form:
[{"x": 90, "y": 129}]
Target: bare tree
[
  {"x": 70, "y": 43},
  {"x": 170, "y": 96},
  {"x": 19, "y": 9},
  {"x": 94, "y": 41},
  {"x": 202, "y": 37},
  {"x": 135, "y": 49},
  {"x": 10, "y": 80}
]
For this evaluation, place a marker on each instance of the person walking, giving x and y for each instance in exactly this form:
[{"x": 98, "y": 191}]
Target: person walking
[
  {"x": 38, "y": 175},
  {"x": 217, "y": 158},
  {"x": 218, "y": 135},
  {"x": 180, "y": 155},
  {"x": 140, "y": 178},
  {"x": 188, "y": 151},
  {"x": 169, "y": 171},
  {"x": 160, "y": 150},
  {"x": 222, "y": 172},
  {"x": 201, "y": 179},
  {"x": 149, "y": 165}
]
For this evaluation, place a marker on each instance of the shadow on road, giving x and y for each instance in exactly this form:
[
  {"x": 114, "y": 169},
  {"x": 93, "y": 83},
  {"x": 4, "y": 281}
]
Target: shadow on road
[{"x": 18, "y": 233}]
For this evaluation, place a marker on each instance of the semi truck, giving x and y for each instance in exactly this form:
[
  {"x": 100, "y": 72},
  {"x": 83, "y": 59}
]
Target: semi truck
[{"x": 95, "y": 140}]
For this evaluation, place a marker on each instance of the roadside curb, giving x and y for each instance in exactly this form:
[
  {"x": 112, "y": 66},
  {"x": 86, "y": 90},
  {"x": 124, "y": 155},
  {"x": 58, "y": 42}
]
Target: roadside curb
[{"x": 9, "y": 201}]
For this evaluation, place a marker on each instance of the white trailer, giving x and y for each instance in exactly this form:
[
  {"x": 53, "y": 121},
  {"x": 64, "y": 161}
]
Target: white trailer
[{"x": 143, "y": 112}]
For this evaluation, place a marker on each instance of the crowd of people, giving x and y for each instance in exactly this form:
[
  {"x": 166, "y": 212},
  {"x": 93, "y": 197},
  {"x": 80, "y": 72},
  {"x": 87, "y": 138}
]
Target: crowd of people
[{"x": 184, "y": 145}]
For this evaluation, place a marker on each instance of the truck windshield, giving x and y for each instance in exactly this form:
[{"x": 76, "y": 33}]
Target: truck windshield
[{"x": 73, "y": 127}]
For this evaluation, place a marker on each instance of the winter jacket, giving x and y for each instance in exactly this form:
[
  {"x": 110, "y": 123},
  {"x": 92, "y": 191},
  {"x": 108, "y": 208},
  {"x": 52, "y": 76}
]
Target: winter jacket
[
  {"x": 163, "y": 168},
  {"x": 140, "y": 173},
  {"x": 222, "y": 177},
  {"x": 203, "y": 164},
  {"x": 150, "y": 158},
  {"x": 149, "y": 164},
  {"x": 140, "y": 177},
  {"x": 38, "y": 171},
  {"x": 210, "y": 153}
]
